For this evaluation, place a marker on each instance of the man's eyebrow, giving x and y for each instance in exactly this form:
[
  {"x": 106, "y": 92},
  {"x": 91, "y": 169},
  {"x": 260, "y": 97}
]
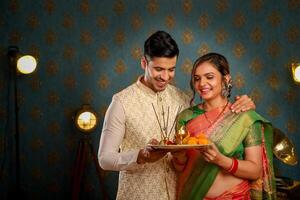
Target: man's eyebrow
[{"x": 164, "y": 68}]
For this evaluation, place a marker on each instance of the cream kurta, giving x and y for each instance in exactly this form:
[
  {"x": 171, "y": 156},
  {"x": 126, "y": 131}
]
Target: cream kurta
[{"x": 130, "y": 123}]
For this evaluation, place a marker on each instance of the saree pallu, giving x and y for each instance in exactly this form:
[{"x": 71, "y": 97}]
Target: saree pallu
[{"x": 227, "y": 133}]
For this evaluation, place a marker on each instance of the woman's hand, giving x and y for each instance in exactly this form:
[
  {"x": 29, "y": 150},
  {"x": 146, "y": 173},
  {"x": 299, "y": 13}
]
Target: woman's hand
[
  {"x": 242, "y": 103},
  {"x": 211, "y": 154}
]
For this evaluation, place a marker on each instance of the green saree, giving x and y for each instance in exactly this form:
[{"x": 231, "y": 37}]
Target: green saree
[{"x": 229, "y": 133}]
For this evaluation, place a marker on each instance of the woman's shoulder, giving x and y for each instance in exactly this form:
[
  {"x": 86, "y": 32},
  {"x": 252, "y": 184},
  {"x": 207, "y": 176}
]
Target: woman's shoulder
[
  {"x": 193, "y": 108},
  {"x": 188, "y": 112},
  {"x": 253, "y": 115}
]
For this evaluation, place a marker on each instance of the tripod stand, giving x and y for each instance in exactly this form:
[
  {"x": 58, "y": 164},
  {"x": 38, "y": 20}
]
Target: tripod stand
[{"x": 80, "y": 166}]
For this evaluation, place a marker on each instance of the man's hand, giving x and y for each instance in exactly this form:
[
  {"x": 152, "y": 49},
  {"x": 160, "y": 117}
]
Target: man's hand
[
  {"x": 149, "y": 154},
  {"x": 242, "y": 103}
]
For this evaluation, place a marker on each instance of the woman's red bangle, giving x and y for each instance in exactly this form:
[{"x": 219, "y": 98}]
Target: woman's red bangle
[{"x": 234, "y": 166}]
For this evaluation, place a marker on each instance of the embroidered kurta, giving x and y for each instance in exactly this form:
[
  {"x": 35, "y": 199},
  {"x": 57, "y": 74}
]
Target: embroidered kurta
[{"x": 130, "y": 122}]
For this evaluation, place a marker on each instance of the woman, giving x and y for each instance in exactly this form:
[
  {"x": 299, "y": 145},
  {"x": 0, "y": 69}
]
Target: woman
[{"x": 238, "y": 165}]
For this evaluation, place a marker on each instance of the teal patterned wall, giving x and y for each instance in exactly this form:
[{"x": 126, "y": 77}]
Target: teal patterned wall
[{"x": 88, "y": 50}]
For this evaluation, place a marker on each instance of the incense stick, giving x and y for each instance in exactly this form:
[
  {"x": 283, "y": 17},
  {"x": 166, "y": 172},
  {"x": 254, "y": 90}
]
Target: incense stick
[
  {"x": 163, "y": 114},
  {"x": 167, "y": 120},
  {"x": 165, "y": 135},
  {"x": 157, "y": 119},
  {"x": 178, "y": 110}
]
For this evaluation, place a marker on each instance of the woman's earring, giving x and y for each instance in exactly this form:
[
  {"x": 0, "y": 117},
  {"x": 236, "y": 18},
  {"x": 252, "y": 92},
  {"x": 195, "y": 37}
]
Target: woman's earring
[{"x": 226, "y": 89}]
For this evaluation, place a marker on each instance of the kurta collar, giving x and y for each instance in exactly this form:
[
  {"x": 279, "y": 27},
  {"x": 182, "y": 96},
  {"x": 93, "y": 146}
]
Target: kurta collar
[{"x": 148, "y": 90}]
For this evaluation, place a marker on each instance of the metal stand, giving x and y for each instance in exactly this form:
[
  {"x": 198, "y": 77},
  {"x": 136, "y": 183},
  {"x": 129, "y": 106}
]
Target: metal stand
[
  {"x": 80, "y": 166},
  {"x": 12, "y": 59}
]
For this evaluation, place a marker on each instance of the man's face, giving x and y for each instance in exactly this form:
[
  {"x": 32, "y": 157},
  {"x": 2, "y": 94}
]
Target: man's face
[{"x": 159, "y": 72}]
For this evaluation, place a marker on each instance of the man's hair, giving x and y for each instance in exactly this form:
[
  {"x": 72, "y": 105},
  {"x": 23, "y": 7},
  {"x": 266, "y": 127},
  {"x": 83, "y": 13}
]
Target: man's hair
[{"x": 160, "y": 44}]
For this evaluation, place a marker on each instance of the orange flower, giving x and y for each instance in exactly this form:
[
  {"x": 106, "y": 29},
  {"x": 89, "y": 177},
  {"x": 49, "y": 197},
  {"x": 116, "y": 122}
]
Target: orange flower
[
  {"x": 192, "y": 140},
  {"x": 200, "y": 138}
]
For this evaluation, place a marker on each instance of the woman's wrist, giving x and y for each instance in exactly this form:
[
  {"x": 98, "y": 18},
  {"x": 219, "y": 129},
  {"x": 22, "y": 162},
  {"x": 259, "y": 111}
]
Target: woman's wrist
[
  {"x": 223, "y": 161},
  {"x": 234, "y": 166}
]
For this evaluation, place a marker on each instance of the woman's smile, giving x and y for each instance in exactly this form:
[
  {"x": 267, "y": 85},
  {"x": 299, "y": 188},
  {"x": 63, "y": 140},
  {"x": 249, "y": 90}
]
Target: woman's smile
[{"x": 204, "y": 91}]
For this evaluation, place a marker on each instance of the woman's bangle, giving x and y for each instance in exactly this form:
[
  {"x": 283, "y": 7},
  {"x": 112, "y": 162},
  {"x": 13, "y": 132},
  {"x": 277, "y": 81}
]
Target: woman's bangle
[{"x": 234, "y": 166}]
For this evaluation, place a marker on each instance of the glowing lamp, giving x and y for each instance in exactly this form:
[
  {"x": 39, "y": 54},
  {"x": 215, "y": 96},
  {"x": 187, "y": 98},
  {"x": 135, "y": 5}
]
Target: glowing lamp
[
  {"x": 26, "y": 64},
  {"x": 18, "y": 65},
  {"x": 296, "y": 72},
  {"x": 86, "y": 119}
]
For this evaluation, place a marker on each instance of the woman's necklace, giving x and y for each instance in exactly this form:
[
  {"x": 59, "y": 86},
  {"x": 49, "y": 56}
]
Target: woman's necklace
[{"x": 219, "y": 115}]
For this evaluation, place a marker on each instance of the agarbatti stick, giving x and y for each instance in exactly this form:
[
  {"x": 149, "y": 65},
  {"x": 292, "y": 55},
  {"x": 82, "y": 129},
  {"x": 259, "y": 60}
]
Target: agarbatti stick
[
  {"x": 167, "y": 120},
  {"x": 164, "y": 121},
  {"x": 158, "y": 120},
  {"x": 178, "y": 110}
]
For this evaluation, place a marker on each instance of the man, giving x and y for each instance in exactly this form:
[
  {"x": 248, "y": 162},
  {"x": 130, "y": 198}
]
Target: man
[{"x": 136, "y": 115}]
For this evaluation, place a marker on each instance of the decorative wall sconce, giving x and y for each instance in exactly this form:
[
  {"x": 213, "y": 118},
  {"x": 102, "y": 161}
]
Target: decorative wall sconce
[
  {"x": 296, "y": 72},
  {"x": 86, "y": 121},
  {"x": 18, "y": 65}
]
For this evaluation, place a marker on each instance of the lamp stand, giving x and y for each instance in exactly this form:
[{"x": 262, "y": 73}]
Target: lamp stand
[
  {"x": 84, "y": 147},
  {"x": 17, "y": 137},
  {"x": 12, "y": 56}
]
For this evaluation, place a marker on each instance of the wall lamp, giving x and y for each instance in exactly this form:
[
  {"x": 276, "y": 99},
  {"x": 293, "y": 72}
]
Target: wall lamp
[
  {"x": 296, "y": 72},
  {"x": 18, "y": 64}
]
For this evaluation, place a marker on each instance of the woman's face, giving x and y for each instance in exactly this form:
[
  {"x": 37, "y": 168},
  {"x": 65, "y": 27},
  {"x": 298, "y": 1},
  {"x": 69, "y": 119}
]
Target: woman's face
[{"x": 208, "y": 81}]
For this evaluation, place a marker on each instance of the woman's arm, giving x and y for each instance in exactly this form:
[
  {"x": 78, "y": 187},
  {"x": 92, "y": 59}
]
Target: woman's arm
[
  {"x": 251, "y": 166},
  {"x": 248, "y": 168}
]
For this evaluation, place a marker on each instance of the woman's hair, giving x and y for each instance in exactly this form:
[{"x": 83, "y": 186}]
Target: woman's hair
[
  {"x": 160, "y": 44},
  {"x": 217, "y": 60}
]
